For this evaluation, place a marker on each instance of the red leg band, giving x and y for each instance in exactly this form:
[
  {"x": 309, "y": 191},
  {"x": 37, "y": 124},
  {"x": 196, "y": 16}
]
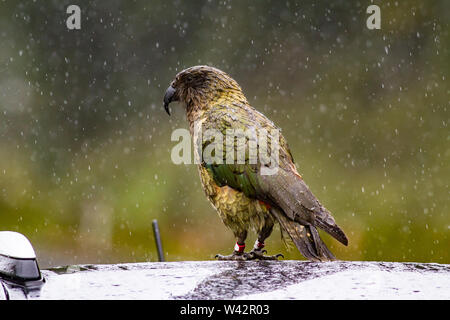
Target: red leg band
[
  {"x": 239, "y": 247},
  {"x": 258, "y": 245}
]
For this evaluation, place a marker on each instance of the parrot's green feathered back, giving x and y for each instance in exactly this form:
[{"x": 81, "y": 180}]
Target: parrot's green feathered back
[{"x": 285, "y": 188}]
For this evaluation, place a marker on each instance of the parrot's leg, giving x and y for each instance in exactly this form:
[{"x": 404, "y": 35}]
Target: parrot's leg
[
  {"x": 238, "y": 253},
  {"x": 258, "y": 251}
]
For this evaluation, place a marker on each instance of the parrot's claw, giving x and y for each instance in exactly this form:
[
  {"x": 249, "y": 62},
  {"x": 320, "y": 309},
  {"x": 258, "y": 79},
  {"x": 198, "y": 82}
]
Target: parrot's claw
[
  {"x": 259, "y": 255},
  {"x": 252, "y": 255},
  {"x": 232, "y": 257}
]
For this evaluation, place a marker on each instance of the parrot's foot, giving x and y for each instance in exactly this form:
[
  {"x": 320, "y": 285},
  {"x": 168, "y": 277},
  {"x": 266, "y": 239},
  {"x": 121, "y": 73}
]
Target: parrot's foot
[
  {"x": 259, "y": 255},
  {"x": 252, "y": 255},
  {"x": 235, "y": 256}
]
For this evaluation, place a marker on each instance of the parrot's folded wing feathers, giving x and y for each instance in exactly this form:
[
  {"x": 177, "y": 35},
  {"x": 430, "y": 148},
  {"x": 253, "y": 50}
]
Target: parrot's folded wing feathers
[{"x": 288, "y": 190}]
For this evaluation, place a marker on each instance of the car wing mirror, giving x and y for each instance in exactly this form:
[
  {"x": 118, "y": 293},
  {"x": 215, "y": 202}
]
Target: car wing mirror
[{"x": 18, "y": 263}]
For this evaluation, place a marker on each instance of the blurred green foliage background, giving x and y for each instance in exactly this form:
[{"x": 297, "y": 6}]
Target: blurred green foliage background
[{"x": 85, "y": 144}]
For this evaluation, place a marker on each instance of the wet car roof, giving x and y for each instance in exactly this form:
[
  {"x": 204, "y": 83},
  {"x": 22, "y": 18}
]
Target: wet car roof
[{"x": 242, "y": 280}]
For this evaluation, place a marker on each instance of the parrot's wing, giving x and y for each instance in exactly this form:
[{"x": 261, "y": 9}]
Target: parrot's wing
[
  {"x": 283, "y": 188},
  {"x": 288, "y": 190}
]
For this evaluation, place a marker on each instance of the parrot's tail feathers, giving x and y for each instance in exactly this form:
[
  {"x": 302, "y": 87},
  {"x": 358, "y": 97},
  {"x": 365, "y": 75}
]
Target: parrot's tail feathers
[
  {"x": 325, "y": 221},
  {"x": 305, "y": 238},
  {"x": 320, "y": 246}
]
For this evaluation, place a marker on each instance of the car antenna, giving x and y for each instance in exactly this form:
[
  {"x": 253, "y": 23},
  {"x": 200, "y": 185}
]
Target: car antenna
[{"x": 158, "y": 240}]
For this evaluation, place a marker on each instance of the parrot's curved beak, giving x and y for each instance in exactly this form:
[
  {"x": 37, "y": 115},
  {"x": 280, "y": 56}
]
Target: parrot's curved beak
[{"x": 169, "y": 97}]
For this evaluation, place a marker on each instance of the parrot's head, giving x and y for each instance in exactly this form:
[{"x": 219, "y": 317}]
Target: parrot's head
[{"x": 198, "y": 85}]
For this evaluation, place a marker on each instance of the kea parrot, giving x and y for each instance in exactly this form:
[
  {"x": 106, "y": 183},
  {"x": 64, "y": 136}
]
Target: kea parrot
[{"x": 244, "y": 197}]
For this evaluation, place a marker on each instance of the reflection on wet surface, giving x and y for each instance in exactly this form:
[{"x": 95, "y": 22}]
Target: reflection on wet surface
[{"x": 243, "y": 278}]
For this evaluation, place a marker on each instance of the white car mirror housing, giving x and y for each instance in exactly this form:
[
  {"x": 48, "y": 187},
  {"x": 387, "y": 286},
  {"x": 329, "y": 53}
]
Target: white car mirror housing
[{"x": 18, "y": 263}]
